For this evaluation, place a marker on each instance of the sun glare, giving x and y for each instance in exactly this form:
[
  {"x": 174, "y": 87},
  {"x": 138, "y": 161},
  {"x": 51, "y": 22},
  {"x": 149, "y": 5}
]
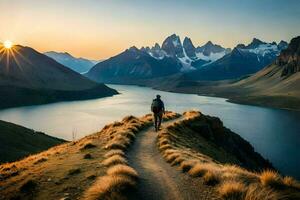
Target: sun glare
[{"x": 8, "y": 44}]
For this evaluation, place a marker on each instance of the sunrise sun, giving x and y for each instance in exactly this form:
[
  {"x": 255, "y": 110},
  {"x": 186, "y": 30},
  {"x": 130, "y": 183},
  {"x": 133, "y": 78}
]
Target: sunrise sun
[{"x": 8, "y": 44}]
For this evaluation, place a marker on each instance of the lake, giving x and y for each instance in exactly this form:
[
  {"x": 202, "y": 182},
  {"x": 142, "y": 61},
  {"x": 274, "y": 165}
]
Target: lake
[{"x": 274, "y": 133}]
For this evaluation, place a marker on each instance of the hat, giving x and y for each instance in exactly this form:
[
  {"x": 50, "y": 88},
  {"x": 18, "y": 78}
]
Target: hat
[{"x": 158, "y": 96}]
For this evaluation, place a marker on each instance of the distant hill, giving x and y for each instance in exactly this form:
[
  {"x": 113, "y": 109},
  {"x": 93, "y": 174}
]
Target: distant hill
[
  {"x": 28, "y": 77},
  {"x": 80, "y": 65},
  {"x": 17, "y": 142}
]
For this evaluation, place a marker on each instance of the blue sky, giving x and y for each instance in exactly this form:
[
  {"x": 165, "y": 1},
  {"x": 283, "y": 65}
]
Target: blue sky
[{"x": 102, "y": 28}]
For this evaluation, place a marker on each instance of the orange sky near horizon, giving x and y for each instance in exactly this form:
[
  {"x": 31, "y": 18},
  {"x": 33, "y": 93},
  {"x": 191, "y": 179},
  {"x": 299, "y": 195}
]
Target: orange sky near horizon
[{"x": 101, "y": 29}]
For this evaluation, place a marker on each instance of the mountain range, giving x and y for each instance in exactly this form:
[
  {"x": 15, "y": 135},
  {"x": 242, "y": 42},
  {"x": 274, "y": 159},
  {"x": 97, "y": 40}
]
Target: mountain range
[
  {"x": 276, "y": 85},
  {"x": 80, "y": 65},
  {"x": 242, "y": 60},
  {"x": 28, "y": 77},
  {"x": 207, "y": 62}
]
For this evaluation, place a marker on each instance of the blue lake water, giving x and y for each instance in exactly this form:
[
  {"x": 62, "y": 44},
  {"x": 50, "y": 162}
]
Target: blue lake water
[{"x": 274, "y": 133}]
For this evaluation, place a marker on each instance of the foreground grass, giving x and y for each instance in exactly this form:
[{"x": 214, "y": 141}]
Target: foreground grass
[
  {"x": 92, "y": 167},
  {"x": 120, "y": 180},
  {"x": 198, "y": 145}
]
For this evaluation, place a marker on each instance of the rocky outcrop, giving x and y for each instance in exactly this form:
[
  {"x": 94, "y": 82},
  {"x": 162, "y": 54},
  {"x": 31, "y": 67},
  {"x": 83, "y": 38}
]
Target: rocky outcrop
[
  {"x": 189, "y": 47},
  {"x": 289, "y": 58},
  {"x": 172, "y": 46}
]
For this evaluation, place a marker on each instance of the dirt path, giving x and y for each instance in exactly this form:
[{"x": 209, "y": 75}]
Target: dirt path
[{"x": 158, "y": 180}]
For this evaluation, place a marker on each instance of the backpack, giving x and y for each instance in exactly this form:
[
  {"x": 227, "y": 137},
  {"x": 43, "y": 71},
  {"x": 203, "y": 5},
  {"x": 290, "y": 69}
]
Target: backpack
[{"x": 156, "y": 106}]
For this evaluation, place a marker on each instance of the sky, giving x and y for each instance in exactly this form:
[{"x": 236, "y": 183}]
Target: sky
[{"x": 99, "y": 29}]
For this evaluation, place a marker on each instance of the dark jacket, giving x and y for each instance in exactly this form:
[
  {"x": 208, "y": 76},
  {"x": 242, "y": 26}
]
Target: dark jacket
[{"x": 157, "y": 106}]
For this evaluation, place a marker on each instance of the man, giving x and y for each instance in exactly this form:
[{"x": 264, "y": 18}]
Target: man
[{"x": 158, "y": 109}]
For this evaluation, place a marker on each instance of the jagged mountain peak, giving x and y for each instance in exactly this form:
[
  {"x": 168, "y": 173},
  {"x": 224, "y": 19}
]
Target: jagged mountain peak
[
  {"x": 282, "y": 45},
  {"x": 156, "y": 46},
  {"x": 255, "y": 43},
  {"x": 289, "y": 58},
  {"x": 133, "y": 48},
  {"x": 189, "y": 48},
  {"x": 172, "y": 46}
]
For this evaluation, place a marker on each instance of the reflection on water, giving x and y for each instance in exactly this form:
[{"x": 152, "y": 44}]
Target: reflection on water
[{"x": 274, "y": 133}]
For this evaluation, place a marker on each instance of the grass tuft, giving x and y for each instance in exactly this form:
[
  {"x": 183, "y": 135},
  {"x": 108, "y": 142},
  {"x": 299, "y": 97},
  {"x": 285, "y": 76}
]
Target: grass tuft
[
  {"x": 40, "y": 160},
  {"x": 232, "y": 190},
  {"x": 113, "y": 187},
  {"x": 271, "y": 178},
  {"x": 256, "y": 192},
  {"x": 211, "y": 178},
  {"x": 114, "y": 160},
  {"x": 198, "y": 170},
  {"x": 88, "y": 146},
  {"x": 114, "y": 152},
  {"x": 186, "y": 165},
  {"x": 177, "y": 161},
  {"x": 115, "y": 145},
  {"x": 121, "y": 169}
]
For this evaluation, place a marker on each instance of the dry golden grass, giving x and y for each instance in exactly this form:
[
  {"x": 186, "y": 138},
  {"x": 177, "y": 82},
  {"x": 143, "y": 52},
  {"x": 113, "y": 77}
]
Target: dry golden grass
[
  {"x": 211, "y": 178},
  {"x": 198, "y": 170},
  {"x": 114, "y": 160},
  {"x": 236, "y": 182},
  {"x": 271, "y": 178},
  {"x": 128, "y": 134},
  {"x": 177, "y": 161},
  {"x": 122, "y": 170},
  {"x": 165, "y": 146},
  {"x": 40, "y": 160},
  {"x": 232, "y": 190},
  {"x": 114, "y": 152},
  {"x": 171, "y": 157},
  {"x": 186, "y": 165},
  {"x": 88, "y": 145},
  {"x": 256, "y": 192},
  {"x": 112, "y": 187},
  {"x": 291, "y": 182},
  {"x": 115, "y": 145}
]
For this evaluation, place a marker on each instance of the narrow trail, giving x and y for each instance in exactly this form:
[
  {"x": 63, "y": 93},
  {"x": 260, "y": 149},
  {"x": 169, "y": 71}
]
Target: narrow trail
[{"x": 158, "y": 179}]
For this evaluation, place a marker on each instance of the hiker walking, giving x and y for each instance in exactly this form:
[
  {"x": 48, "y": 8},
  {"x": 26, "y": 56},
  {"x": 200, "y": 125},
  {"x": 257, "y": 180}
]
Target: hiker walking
[{"x": 158, "y": 109}]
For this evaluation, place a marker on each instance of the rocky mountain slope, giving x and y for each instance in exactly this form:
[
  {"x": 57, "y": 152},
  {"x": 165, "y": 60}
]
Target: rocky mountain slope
[
  {"x": 17, "y": 142},
  {"x": 132, "y": 64},
  {"x": 242, "y": 60},
  {"x": 191, "y": 57},
  {"x": 171, "y": 57},
  {"x": 29, "y": 77},
  {"x": 80, "y": 65},
  {"x": 208, "y": 62}
]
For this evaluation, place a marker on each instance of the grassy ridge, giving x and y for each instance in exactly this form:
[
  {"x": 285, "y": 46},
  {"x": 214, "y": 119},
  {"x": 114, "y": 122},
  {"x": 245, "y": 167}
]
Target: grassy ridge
[
  {"x": 200, "y": 146},
  {"x": 17, "y": 142}
]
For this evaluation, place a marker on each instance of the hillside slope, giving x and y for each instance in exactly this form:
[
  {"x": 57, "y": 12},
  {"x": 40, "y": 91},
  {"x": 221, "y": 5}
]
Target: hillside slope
[
  {"x": 17, "y": 142},
  {"x": 28, "y": 77},
  {"x": 79, "y": 65},
  {"x": 102, "y": 166}
]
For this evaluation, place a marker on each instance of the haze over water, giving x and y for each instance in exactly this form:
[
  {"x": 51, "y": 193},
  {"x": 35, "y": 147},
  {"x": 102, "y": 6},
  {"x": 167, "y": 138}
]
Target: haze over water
[{"x": 274, "y": 133}]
